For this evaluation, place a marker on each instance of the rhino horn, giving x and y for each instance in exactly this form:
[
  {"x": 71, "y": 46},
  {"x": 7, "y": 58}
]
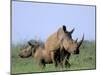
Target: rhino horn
[
  {"x": 80, "y": 42},
  {"x": 72, "y": 31}
]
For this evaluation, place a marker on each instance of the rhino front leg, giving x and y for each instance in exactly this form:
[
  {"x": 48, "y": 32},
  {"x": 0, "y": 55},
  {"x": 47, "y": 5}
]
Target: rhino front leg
[
  {"x": 66, "y": 60},
  {"x": 54, "y": 59}
]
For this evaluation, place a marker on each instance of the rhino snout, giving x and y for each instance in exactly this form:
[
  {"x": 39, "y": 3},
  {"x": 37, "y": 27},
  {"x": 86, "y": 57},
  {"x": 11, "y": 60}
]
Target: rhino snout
[{"x": 76, "y": 51}]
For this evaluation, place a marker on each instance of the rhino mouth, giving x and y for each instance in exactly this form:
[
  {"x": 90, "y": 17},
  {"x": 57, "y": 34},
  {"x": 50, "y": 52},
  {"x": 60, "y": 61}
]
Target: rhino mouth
[
  {"x": 79, "y": 44},
  {"x": 76, "y": 52},
  {"x": 23, "y": 56}
]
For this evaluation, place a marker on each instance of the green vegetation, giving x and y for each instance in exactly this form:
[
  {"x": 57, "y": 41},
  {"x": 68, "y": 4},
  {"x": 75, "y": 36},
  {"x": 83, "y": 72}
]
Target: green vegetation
[{"x": 85, "y": 60}]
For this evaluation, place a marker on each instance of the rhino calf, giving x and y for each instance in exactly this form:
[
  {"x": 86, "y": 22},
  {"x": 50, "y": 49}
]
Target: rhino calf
[{"x": 41, "y": 56}]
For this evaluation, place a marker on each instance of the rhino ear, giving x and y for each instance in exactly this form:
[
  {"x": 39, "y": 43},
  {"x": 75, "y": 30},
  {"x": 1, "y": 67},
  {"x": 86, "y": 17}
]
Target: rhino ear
[
  {"x": 30, "y": 43},
  {"x": 64, "y": 28},
  {"x": 72, "y": 31}
]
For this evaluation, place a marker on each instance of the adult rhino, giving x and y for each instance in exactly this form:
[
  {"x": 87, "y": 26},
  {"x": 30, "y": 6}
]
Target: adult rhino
[{"x": 63, "y": 39}]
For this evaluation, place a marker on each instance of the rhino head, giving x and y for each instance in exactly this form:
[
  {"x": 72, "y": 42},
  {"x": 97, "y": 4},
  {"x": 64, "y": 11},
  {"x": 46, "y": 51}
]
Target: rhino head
[
  {"x": 63, "y": 33},
  {"x": 66, "y": 41},
  {"x": 28, "y": 50},
  {"x": 72, "y": 46},
  {"x": 34, "y": 45},
  {"x": 25, "y": 52}
]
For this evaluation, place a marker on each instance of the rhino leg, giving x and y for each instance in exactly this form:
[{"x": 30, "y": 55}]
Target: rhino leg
[
  {"x": 53, "y": 58},
  {"x": 41, "y": 63},
  {"x": 66, "y": 63},
  {"x": 61, "y": 59},
  {"x": 66, "y": 59},
  {"x": 56, "y": 57}
]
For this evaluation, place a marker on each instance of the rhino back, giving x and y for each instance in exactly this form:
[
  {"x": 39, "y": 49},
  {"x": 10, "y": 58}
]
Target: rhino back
[{"x": 52, "y": 42}]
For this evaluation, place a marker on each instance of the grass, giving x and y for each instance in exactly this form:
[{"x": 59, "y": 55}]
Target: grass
[{"x": 85, "y": 60}]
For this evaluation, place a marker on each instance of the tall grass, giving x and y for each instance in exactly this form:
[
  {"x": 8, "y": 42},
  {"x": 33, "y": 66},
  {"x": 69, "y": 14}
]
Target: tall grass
[{"x": 85, "y": 60}]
